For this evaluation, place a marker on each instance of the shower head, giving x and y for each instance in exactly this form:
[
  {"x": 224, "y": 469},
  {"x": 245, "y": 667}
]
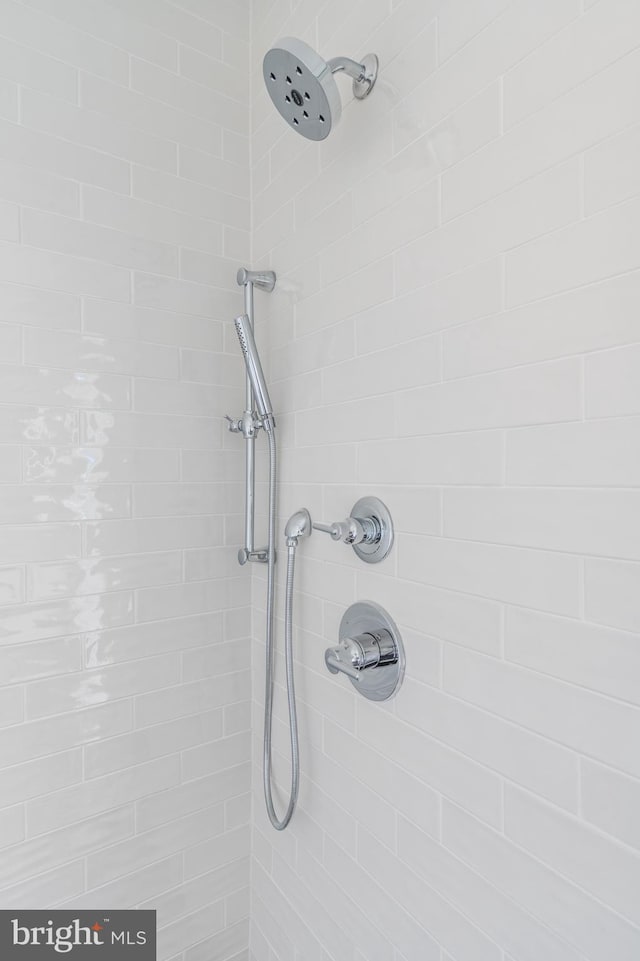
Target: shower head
[
  {"x": 254, "y": 370},
  {"x": 303, "y": 89}
]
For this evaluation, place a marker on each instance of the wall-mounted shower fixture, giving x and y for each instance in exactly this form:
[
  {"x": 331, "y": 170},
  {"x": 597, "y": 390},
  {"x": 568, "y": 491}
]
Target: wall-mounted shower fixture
[
  {"x": 302, "y": 87},
  {"x": 370, "y": 652},
  {"x": 369, "y": 529},
  {"x": 256, "y": 395}
]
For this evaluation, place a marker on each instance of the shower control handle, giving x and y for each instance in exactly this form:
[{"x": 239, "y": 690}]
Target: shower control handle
[
  {"x": 352, "y": 530},
  {"x": 370, "y": 651},
  {"x": 367, "y": 651}
]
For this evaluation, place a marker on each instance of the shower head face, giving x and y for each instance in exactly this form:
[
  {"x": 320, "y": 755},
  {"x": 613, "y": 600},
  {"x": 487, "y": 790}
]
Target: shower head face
[{"x": 302, "y": 88}]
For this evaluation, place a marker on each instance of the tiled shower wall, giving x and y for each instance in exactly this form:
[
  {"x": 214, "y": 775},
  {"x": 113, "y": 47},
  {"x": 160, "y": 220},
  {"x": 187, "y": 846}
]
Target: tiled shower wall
[
  {"x": 124, "y": 635},
  {"x": 456, "y": 329}
]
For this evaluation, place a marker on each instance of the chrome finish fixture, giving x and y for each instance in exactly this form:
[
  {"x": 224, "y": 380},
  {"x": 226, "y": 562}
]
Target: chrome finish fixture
[
  {"x": 264, "y": 279},
  {"x": 302, "y": 87},
  {"x": 250, "y": 423},
  {"x": 370, "y": 652},
  {"x": 369, "y": 529},
  {"x": 364, "y": 75},
  {"x": 298, "y": 525},
  {"x": 254, "y": 371}
]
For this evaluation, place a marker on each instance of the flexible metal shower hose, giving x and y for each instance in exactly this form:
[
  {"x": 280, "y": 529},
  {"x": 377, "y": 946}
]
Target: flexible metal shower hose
[{"x": 278, "y": 824}]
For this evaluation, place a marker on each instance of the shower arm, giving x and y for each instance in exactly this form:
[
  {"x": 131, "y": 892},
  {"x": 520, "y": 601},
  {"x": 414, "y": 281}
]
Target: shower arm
[
  {"x": 363, "y": 74},
  {"x": 356, "y": 71}
]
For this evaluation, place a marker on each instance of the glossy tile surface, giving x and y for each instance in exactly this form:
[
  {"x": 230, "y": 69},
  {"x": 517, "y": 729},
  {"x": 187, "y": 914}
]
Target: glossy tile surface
[{"x": 117, "y": 277}]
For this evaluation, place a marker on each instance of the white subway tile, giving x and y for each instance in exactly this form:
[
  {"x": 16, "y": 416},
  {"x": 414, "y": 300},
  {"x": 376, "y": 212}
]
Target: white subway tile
[
  {"x": 126, "y": 572},
  {"x": 34, "y": 622},
  {"x": 127, "y": 429},
  {"x": 20, "y": 145},
  {"x": 87, "y": 352},
  {"x": 583, "y": 921},
  {"x": 33, "y": 504},
  {"x": 585, "y": 454},
  {"x": 68, "y": 465},
  {"x": 589, "y": 318},
  {"x": 37, "y": 188},
  {"x": 535, "y": 394},
  {"x": 98, "y": 243},
  {"x": 65, "y": 845},
  {"x": 155, "y": 326},
  {"x": 610, "y": 801},
  {"x": 29, "y": 306},
  {"x": 442, "y": 768},
  {"x": 580, "y": 522},
  {"x": 526, "y": 577},
  {"x": 46, "y": 888},
  {"x": 150, "y": 220},
  {"x": 10, "y": 466},
  {"x": 380, "y": 910},
  {"x": 532, "y": 209},
  {"x": 62, "y": 42},
  {"x": 153, "y": 534},
  {"x": 229, "y": 73},
  {"x": 39, "y": 739},
  {"x": 170, "y": 500},
  {"x": 585, "y": 115},
  {"x": 128, "y": 889},
  {"x": 12, "y": 709},
  {"x": 161, "y": 740},
  {"x": 38, "y": 425},
  {"x": 213, "y": 853},
  {"x": 28, "y": 662},
  {"x": 25, "y": 781},
  {"x": 539, "y": 764},
  {"x": 40, "y": 542},
  {"x": 150, "y": 290},
  {"x": 12, "y": 588},
  {"x": 214, "y": 107},
  {"x": 426, "y": 904},
  {"x": 164, "y": 17},
  {"x": 54, "y": 388},
  {"x": 24, "y": 65},
  {"x": 589, "y": 723},
  {"x": 598, "y": 247},
  {"x": 612, "y": 382},
  {"x": 8, "y": 100},
  {"x": 152, "y": 811},
  {"x": 195, "y": 597},
  {"x": 123, "y": 857},
  {"x": 188, "y": 699},
  {"x": 611, "y": 593},
  {"x": 148, "y": 115},
  {"x": 458, "y": 23},
  {"x": 399, "y": 788},
  {"x": 587, "y": 45},
  {"x": 466, "y": 458},
  {"x": 604, "y": 868},
  {"x": 142, "y": 640},
  {"x": 611, "y": 170},
  {"x": 486, "y": 57},
  {"x": 75, "y": 803},
  {"x": 598, "y": 658},
  {"x": 96, "y": 17},
  {"x": 61, "y": 272},
  {"x": 74, "y": 692},
  {"x": 190, "y": 197}
]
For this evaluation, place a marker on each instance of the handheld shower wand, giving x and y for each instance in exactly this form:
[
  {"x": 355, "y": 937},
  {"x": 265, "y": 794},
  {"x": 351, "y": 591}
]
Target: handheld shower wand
[{"x": 255, "y": 372}]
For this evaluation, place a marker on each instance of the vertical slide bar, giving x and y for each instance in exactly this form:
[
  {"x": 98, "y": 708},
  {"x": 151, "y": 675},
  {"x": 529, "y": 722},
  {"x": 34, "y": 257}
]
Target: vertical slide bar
[{"x": 250, "y": 448}]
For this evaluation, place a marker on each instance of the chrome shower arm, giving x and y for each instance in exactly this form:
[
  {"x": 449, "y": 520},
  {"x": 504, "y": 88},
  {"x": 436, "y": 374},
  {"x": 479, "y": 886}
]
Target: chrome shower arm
[{"x": 352, "y": 69}]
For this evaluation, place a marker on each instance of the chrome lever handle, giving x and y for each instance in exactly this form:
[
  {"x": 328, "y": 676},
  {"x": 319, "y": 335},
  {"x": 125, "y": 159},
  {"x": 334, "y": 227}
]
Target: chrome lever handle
[
  {"x": 234, "y": 425},
  {"x": 337, "y": 666}
]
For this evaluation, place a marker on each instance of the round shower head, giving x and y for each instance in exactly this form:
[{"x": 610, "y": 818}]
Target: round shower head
[{"x": 302, "y": 88}]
